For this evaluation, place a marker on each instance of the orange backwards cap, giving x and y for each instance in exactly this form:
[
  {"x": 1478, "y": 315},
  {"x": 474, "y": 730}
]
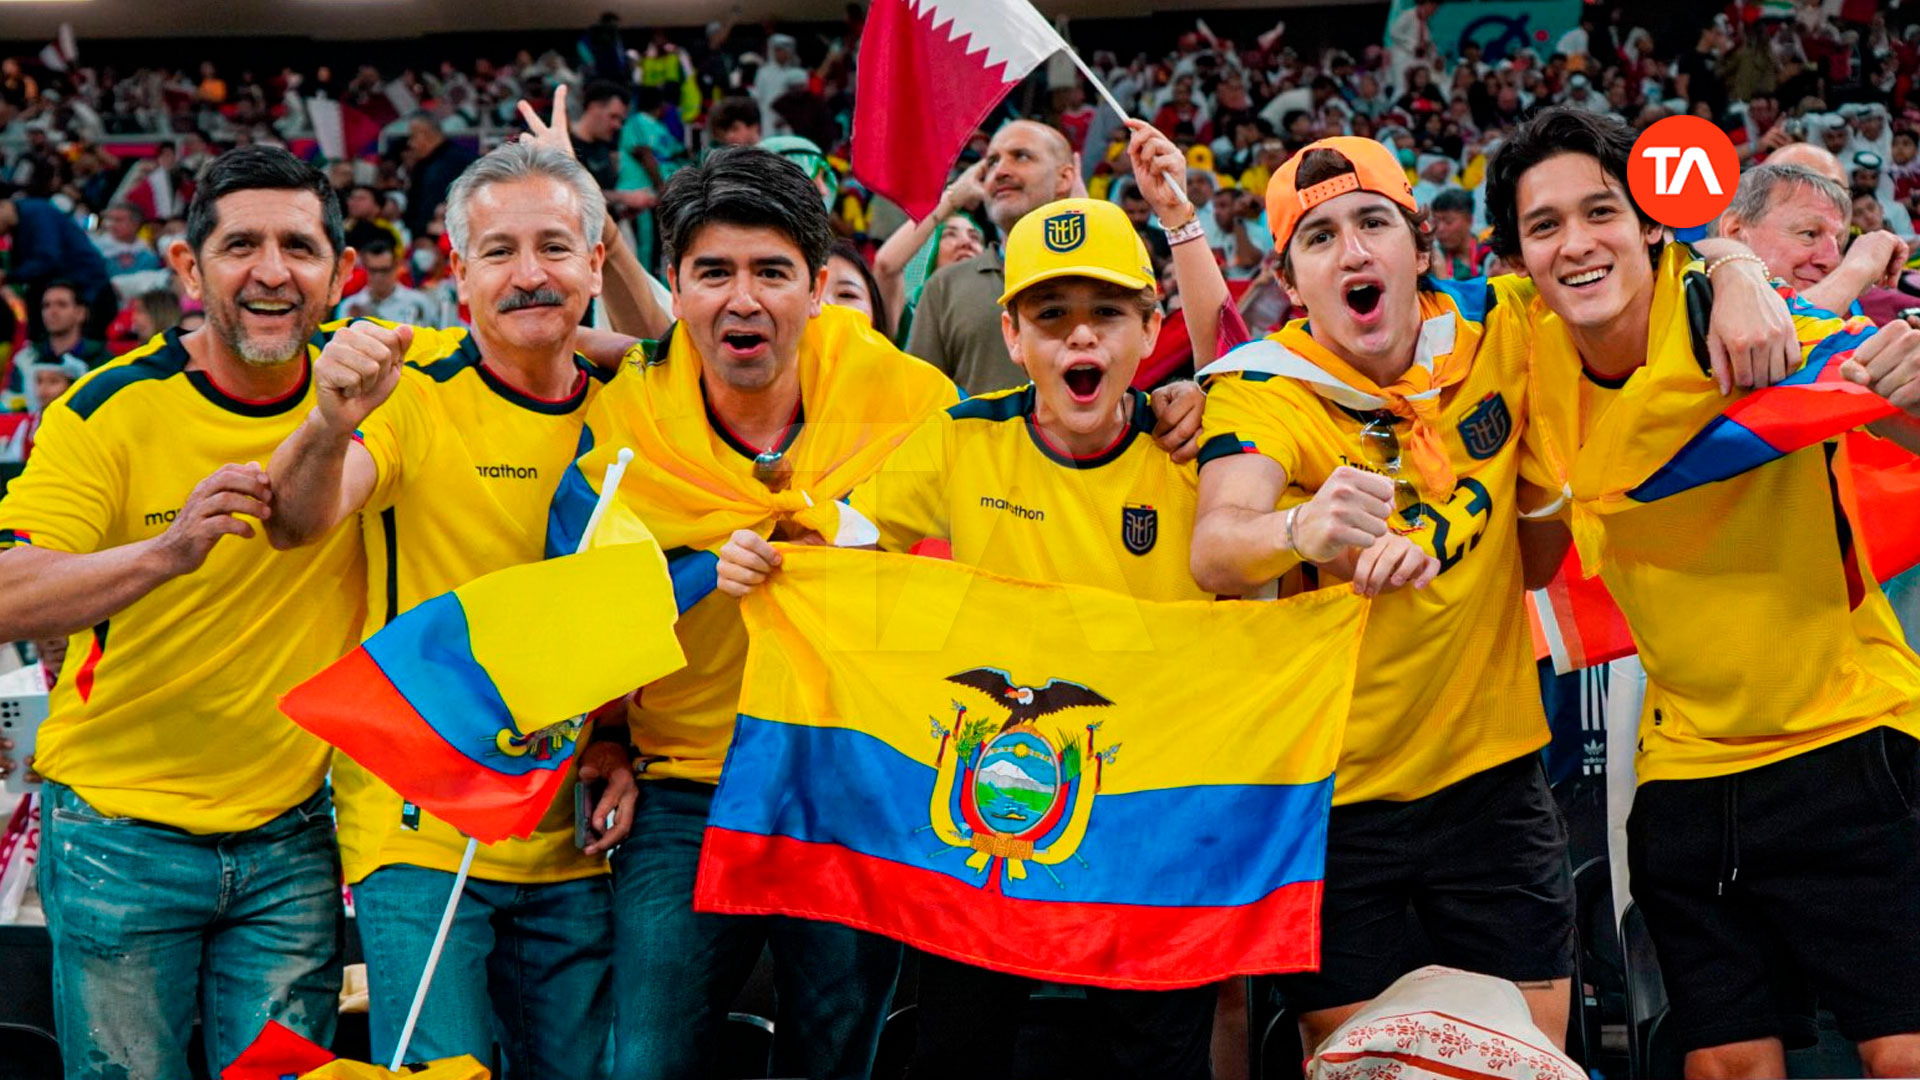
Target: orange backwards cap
[{"x": 1374, "y": 169}]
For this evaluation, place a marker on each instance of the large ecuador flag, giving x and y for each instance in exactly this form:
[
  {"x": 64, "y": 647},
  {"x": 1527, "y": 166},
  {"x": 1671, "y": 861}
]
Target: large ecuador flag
[
  {"x": 469, "y": 704},
  {"x": 1048, "y": 780},
  {"x": 930, "y": 72},
  {"x": 1880, "y": 488}
]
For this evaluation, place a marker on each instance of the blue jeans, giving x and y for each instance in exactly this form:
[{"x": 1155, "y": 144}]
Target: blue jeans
[
  {"x": 676, "y": 972},
  {"x": 147, "y": 920},
  {"x": 525, "y": 967}
]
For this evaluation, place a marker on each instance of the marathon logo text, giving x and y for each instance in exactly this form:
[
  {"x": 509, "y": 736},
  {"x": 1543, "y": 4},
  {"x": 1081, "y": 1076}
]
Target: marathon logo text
[
  {"x": 507, "y": 472},
  {"x": 988, "y": 502}
]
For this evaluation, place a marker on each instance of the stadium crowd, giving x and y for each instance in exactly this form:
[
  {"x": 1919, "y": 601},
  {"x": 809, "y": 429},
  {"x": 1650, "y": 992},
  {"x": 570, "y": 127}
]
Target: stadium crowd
[{"x": 195, "y": 226}]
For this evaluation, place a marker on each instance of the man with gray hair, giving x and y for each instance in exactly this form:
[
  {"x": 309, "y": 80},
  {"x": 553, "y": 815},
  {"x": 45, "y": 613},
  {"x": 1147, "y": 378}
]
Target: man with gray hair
[
  {"x": 450, "y": 446},
  {"x": 1796, "y": 219},
  {"x": 956, "y": 326}
]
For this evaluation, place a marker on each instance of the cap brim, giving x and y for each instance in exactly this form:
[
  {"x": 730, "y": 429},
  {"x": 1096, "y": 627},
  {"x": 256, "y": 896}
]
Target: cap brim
[{"x": 1098, "y": 273}]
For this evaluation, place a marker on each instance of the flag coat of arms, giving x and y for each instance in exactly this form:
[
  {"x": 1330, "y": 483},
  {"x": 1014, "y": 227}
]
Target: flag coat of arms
[{"x": 1046, "y": 780}]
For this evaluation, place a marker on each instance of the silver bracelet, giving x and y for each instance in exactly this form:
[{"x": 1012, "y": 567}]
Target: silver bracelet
[{"x": 1292, "y": 544}]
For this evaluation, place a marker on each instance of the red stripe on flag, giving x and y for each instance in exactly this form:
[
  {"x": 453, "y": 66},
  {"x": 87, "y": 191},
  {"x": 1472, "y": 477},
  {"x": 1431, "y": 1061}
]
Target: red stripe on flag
[
  {"x": 750, "y": 874},
  {"x": 1880, "y": 488},
  {"x": 356, "y": 708},
  {"x": 1790, "y": 417}
]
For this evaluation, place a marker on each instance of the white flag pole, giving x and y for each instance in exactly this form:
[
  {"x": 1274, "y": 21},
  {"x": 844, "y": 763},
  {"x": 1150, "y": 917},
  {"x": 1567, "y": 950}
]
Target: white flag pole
[
  {"x": 1107, "y": 96},
  {"x": 609, "y": 484}
]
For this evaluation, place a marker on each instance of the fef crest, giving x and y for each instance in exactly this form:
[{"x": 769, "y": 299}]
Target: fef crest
[
  {"x": 1139, "y": 527},
  {"x": 1487, "y": 428},
  {"x": 1066, "y": 231}
]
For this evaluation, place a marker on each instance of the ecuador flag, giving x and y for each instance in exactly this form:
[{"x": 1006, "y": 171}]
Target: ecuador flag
[
  {"x": 469, "y": 704},
  {"x": 1048, "y": 780}
]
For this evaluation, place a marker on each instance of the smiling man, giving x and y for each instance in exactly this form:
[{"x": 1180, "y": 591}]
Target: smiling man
[
  {"x": 449, "y": 446},
  {"x": 1774, "y": 841},
  {"x": 760, "y": 407},
  {"x": 188, "y": 857}
]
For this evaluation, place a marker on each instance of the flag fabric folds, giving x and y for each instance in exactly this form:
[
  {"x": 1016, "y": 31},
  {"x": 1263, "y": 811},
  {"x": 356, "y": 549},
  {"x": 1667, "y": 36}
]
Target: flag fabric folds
[
  {"x": 1880, "y": 488},
  {"x": 281, "y": 1054},
  {"x": 1047, "y": 780},
  {"x": 1577, "y": 621},
  {"x": 469, "y": 704},
  {"x": 930, "y": 72}
]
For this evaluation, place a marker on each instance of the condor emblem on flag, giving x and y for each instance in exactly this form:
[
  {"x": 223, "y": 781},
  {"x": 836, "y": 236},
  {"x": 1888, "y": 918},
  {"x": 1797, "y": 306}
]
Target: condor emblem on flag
[
  {"x": 997, "y": 822},
  {"x": 1065, "y": 231}
]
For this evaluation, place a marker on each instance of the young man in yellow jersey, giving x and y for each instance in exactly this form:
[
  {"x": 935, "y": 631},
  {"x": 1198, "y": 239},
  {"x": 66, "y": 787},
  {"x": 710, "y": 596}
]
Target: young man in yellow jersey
[
  {"x": 1058, "y": 480},
  {"x": 449, "y": 447},
  {"x": 1774, "y": 842},
  {"x": 1414, "y": 396},
  {"x": 188, "y": 855}
]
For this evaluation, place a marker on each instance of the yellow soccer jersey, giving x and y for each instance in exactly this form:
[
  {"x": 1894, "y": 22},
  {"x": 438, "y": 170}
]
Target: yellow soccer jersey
[
  {"x": 983, "y": 477},
  {"x": 1763, "y": 636},
  {"x": 467, "y": 466},
  {"x": 1447, "y": 684},
  {"x": 166, "y": 711}
]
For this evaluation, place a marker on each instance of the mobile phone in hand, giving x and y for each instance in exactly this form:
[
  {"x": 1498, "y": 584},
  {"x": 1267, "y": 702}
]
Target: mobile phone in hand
[{"x": 586, "y": 796}]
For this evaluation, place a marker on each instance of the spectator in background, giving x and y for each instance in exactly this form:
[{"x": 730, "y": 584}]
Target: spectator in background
[
  {"x": 734, "y": 121},
  {"x": 433, "y": 166},
  {"x": 597, "y": 135},
  {"x": 120, "y": 242},
  {"x": 384, "y": 297},
  {"x": 63, "y": 321},
  {"x": 365, "y": 225},
  {"x": 155, "y": 311},
  {"x": 41, "y": 170},
  {"x": 779, "y": 74},
  {"x": 851, "y": 284},
  {"x": 432, "y": 276},
  {"x": 1458, "y": 254},
  {"x": 1796, "y": 221},
  {"x": 603, "y": 55},
  {"x": 956, "y": 326}
]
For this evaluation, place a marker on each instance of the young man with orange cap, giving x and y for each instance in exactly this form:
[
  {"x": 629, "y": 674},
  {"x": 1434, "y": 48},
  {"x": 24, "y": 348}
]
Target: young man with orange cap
[
  {"x": 1415, "y": 394},
  {"x": 1100, "y": 503}
]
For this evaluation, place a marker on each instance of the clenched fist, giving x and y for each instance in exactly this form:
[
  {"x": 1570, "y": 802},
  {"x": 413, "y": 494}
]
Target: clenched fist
[
  {"x": 357, "y": 370},
  {"x": 1349, "y": 511}
]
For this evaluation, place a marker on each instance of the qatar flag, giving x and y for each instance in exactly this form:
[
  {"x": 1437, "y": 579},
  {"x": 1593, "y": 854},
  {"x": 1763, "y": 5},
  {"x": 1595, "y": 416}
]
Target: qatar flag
[{"x": 930, "y": 72}]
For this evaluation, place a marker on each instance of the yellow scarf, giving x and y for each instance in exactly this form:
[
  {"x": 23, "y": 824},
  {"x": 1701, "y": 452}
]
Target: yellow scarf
[
  {"x": 860, "y": 396},
  {"x": 1442, "y": 357}
]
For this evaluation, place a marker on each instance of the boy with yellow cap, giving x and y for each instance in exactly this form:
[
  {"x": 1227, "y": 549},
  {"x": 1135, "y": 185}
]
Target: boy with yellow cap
[{"x": 1061, "y": 481}]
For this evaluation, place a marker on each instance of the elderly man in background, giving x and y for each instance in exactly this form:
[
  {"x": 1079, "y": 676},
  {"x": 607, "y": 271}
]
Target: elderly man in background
[{"x": 1796, "y": 220}]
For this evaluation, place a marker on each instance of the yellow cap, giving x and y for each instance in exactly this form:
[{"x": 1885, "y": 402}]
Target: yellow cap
[{"x": 1076, "y": 238}]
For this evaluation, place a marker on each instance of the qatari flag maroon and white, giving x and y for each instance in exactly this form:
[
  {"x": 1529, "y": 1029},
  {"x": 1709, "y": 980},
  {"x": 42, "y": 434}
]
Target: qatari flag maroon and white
[{"x": 930, "y": 71}]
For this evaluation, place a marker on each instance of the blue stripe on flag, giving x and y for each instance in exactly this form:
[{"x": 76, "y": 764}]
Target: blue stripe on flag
[
  {"x": 1721, "y": 450},
  {"x": 695, "y": 575},
  {"x": 427, "y": 654},
  {"x": 572, "y": 504},
  {"x": 1139, "y": 847}
]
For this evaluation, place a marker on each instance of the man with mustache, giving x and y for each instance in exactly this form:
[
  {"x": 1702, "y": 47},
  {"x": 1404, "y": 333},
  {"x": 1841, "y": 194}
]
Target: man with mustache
[
  {"x": 450, "y": 446},
  {"x": 188, "y": 850}
]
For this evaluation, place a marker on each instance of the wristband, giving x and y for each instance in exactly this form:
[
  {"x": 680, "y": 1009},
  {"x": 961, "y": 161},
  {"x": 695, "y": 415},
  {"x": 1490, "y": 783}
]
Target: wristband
[
  {"x": 1293, "y": 544},
  {"x": 1744, "y": 256},
  {"x": 1187, "y": 233}
]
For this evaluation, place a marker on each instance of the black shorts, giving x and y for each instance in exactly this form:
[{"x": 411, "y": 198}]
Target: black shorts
[
  {"x": 1473, "y": 876},
  {"x": 1770, "y": 888}
]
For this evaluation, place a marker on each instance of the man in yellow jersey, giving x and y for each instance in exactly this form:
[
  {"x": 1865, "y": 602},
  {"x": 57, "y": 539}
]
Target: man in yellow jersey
[
  {"x": 187, "y": 853},
  {"x": 760, "y": 408},
  {"x": 1774, "y": 842},
  {"x": 1059, "y": 480},
  {"x": 1404, "y": 410},
  {"x": 451, "y": 460}
]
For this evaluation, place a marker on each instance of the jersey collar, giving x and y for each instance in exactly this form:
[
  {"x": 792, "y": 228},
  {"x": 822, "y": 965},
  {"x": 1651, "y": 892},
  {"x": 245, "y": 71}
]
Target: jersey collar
[
  {"x": 1140, "y": 420},
  {"x": 239, "y": 406}
]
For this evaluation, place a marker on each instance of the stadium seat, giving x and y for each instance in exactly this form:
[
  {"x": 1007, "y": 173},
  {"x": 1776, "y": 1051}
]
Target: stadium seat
[
  {"x": 897, "y": 1037},
  {"x": 1281, "y": 1055},
  {"x": 1651, "y": 1050},
  {"x": 28, "y": 1053}
]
